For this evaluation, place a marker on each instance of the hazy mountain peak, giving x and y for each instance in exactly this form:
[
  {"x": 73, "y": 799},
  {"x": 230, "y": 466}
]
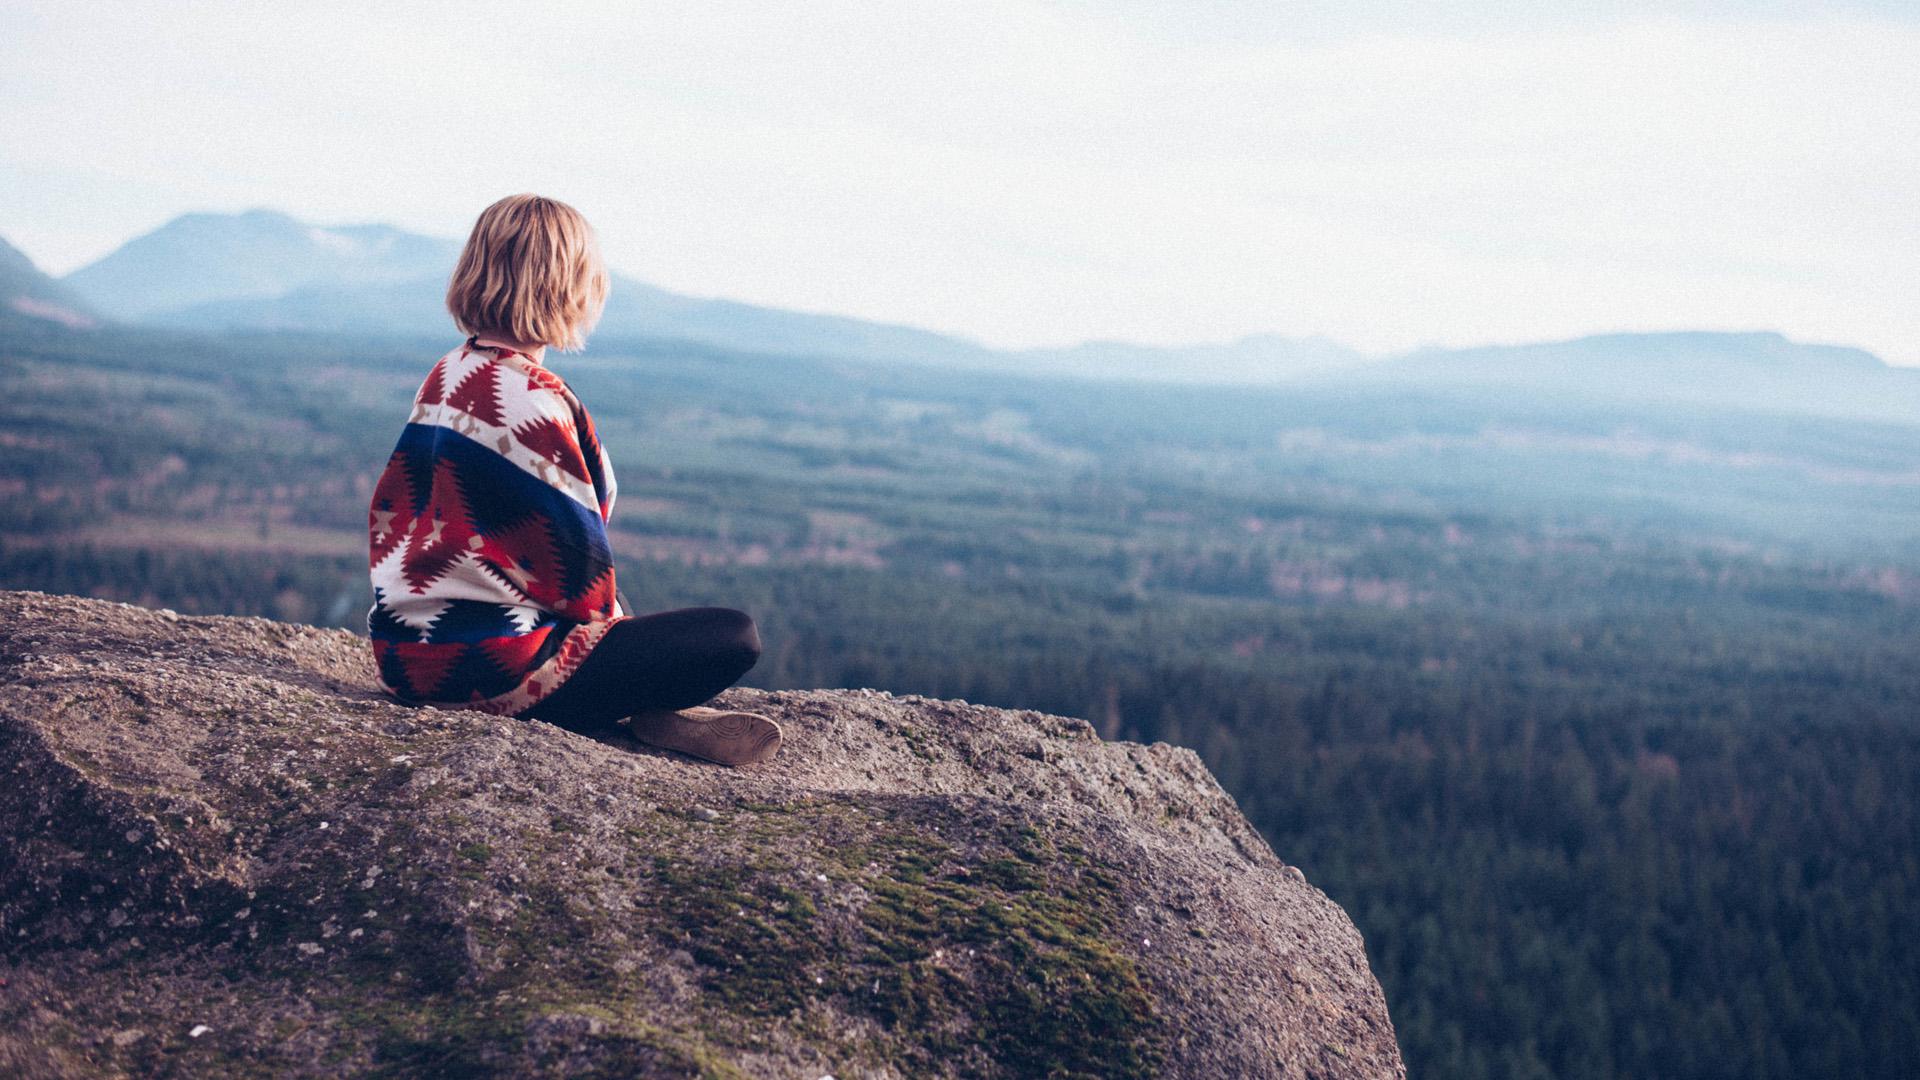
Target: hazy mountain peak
[
  {"x": 203, "y": 221},
  {"x": 201, "y": 257},
  {"x": 1771, "y": 346},
  {"x": 261, "y": 214}
]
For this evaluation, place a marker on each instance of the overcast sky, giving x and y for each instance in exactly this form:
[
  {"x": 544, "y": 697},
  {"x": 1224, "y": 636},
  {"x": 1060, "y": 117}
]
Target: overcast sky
[{"x": 1034, "y": 173}]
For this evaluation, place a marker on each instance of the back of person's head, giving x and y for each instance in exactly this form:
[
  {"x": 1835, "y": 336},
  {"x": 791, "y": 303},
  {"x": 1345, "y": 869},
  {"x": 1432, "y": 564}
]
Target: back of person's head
[{"x": 531, "y": 271}]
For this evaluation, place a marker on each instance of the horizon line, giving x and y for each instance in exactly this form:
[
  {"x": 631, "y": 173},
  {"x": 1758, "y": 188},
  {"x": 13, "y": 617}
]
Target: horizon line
[{"x": 968, "y": 339}]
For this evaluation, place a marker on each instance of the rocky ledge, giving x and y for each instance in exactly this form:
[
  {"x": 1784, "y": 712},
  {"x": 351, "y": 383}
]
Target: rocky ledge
[{"x": 223, "y": 853}]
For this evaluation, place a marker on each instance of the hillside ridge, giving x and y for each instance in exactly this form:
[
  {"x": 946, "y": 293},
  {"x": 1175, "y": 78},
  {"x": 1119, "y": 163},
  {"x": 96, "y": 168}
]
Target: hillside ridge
[
  {"x": 28, "y": 292},
  {"x": 235, "y": 855}
]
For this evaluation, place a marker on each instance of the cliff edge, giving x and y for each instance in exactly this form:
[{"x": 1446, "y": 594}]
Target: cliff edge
[{"x": 222, "y": 852}]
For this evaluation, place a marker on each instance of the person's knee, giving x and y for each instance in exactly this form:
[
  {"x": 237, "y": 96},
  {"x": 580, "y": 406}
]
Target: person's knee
[{"x": 736, "y": 639}]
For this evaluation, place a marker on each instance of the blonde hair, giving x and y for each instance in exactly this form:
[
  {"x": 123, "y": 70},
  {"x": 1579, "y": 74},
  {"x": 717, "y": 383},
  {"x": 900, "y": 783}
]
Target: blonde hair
[{"x": 531, "y": 271}]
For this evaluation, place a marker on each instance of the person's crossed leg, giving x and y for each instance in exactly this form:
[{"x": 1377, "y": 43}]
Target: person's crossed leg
[{"x": 656, "y": 669}]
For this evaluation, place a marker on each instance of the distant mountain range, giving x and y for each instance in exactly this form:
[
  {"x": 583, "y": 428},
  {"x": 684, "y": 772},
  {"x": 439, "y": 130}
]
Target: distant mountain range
[
  {"x": 1762, "y": 370},
  {"x": 265, "y": 270}
]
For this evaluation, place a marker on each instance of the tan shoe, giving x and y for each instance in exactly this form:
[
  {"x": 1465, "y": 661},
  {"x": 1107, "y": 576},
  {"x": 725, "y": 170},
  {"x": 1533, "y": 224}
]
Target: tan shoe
[{"x": 722, "y": 735}]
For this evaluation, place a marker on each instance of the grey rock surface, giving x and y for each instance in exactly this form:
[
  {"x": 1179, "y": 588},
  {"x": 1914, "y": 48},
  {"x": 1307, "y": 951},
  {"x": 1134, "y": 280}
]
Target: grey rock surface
[{"x": 223, "y": 852}]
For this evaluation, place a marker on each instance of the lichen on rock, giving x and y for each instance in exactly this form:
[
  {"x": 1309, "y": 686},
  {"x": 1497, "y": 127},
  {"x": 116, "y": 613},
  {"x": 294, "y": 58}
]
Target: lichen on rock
[{"x": 227, "y": 854}]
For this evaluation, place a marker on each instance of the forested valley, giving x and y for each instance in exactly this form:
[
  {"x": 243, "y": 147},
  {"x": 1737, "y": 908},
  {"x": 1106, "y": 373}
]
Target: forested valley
[{"x": 1603, "y": 725}]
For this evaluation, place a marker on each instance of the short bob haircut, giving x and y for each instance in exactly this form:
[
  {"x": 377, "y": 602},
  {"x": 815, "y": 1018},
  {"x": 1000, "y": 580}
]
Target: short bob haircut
[{"x": 531, "y": 272}]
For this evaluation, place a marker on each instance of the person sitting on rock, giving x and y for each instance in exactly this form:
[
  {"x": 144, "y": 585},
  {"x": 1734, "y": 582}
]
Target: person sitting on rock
[{"x": 493, "y": 580}]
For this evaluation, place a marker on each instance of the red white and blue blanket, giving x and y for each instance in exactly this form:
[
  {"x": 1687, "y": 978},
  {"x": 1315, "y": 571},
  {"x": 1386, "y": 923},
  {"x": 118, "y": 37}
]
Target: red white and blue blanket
[{"x": 492, "y": 578}]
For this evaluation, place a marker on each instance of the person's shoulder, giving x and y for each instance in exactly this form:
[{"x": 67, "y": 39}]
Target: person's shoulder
[
  {"x": 458, "y": 361},
  {"x": 542, "y": 378},
  {"x": 538, "y": 389},
  {"x": 440, "y": 377}
]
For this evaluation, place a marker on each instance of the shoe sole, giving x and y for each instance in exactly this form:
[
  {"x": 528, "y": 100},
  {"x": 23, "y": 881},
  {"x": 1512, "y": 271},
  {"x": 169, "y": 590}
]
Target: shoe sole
[{"x": 719, "y": 736}]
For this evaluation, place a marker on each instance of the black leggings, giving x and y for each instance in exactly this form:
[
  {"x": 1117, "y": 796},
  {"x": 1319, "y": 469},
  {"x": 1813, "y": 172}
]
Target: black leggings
[{"x": 668, "y": 660}]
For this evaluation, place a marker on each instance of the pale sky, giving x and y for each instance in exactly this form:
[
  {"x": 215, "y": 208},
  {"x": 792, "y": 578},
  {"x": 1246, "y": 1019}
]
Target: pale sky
[{"x": 1026, "y": 172}]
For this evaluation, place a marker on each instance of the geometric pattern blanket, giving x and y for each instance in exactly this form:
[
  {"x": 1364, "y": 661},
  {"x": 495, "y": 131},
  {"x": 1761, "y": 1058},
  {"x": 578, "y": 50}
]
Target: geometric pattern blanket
[{"x": 492, "y": 578}]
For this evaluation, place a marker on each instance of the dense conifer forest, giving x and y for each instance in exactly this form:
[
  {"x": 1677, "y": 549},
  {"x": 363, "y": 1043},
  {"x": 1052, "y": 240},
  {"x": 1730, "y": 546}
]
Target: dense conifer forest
[{"x": 1604, "y": 727}]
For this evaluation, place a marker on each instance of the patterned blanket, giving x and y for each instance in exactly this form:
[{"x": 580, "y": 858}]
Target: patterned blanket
[{"x": 492, "y": 578}]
